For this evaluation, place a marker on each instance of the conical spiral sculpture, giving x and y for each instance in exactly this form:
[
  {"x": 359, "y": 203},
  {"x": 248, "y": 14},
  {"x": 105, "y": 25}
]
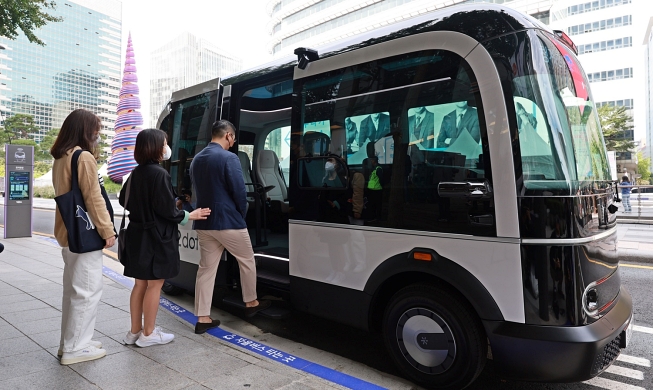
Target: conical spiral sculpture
[{"x": 128, "y": 122}]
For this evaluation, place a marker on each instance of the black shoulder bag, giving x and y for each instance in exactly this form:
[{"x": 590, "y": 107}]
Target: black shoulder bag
[
  {"x": 122, "y": 234},
  {"x": 83, "y": 237}
]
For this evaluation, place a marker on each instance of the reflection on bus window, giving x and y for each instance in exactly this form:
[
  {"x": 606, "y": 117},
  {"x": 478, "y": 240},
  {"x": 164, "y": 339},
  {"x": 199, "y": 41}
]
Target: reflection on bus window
[
  {"x": 278, "y": 140},
  {"x": 363, "y": 129},
  {"x": 317, "y": 138}
]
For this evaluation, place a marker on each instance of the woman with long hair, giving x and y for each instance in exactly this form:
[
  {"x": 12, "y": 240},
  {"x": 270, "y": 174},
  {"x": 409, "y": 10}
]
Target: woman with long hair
[
  {"x": 152, "y": 240},
  {"x": 82, "y": 274}
]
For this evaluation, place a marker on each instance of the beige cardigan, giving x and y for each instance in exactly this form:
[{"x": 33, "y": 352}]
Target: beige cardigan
[{"x": 89, "y": 185}]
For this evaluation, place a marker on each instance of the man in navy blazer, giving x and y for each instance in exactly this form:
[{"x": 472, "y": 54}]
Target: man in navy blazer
[{"x": 218, "y": 181}]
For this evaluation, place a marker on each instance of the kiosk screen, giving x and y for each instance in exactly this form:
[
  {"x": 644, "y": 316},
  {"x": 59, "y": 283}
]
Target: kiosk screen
[{"x": 19, "y": 185}]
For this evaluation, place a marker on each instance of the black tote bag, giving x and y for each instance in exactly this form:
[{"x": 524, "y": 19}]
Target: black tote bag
[{"x": 83, "y": 236}]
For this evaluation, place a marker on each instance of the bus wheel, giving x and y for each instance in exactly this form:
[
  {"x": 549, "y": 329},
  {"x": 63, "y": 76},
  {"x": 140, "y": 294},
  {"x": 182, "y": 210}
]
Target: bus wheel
[
  {"x": 434, "y": 337},
  {"x": 171, "y": 290}
]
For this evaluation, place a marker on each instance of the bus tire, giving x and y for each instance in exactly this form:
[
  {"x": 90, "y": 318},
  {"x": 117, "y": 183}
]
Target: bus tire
[
  {"x": 171, "y": 290},
  {"x": 434, "y": 337}
]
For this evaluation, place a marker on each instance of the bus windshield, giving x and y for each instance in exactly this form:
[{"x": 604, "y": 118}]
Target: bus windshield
[{"x": 560, "y": 138}]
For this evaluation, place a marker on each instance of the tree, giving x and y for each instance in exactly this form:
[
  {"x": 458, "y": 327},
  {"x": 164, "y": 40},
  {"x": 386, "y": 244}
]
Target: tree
[
  {"x": 26, "y": 15},
  {"x": 19, "y": 126},
  {"x": 616, "y": 124},
  {"x": 48, "y": 140},
  {"x": 643, "y": 168}
]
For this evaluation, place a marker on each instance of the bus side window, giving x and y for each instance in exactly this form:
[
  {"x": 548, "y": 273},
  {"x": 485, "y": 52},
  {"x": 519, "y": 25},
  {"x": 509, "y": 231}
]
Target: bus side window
[{"x": 408, "y": 124}]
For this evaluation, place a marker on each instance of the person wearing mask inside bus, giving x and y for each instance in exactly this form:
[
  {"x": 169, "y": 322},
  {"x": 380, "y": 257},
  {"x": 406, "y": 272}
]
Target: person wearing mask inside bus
[
  {"x": 218, "y": 182},
  {"x": 625, "y": 193},
  {"x": 463, "y": 118},
  {"x": 333, "y": 205},
  {"x": 152, "y": 239}
]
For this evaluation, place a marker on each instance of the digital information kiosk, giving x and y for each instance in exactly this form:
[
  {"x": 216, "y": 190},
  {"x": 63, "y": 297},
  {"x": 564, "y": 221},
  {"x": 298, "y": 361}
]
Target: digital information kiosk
[{"x": 19, "y": 173}]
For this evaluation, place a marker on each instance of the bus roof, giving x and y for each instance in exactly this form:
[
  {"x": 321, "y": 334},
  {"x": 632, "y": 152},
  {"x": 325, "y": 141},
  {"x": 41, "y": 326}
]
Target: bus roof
[{"x": 479, "y": 21}]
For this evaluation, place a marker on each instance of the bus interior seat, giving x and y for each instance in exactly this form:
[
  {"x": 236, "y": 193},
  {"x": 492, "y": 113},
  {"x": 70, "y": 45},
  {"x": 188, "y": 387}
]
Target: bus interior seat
[
  {"x": 247, "y": 177},
  {"x": 268, "y": 174}
]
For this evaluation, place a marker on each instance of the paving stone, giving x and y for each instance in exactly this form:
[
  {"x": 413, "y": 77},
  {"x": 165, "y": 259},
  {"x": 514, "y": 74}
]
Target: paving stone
[
  {"x": 59, "y": 377},
  {"x": 28, "y": 363},
  {"x": 47, "y": 339},
  {"x": 108, "y": 313},
  {"x": 135, "y": 372},
  {"x": 118, "y": 325},
  {"x": 8, "y": 331},
  {"x": 251, "y": 376},
  {"x": 13, "y": 298},
  {"x": 38, "y": 326},
  {"x": 22, "y": 306},
  {"x": 18, "y": 346},
  {"x": 31, "y": 315}
]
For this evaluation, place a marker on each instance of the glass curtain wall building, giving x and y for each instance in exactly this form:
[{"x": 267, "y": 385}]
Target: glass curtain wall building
[
  {"x": 78, "y": 68},
  {"x": 185, "y": 61}
]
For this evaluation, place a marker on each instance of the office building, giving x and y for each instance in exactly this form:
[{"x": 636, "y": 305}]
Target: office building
[
  {"x": 648, "y": 82},
  {"x": 608, "y": 34},
  {"x": 79, "y": 67},
  {"x": 301, "y": 23},
  {"x": 185, "y": 61}
]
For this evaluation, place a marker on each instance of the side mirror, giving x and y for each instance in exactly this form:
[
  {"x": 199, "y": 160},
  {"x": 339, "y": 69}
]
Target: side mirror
[
  {"x": 471, "y": 190},
  {"x": 313, "y": 174}
]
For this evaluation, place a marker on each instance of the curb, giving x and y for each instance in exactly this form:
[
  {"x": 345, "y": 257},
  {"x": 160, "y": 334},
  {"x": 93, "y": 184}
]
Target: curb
[{"x": 635, "y": 256}]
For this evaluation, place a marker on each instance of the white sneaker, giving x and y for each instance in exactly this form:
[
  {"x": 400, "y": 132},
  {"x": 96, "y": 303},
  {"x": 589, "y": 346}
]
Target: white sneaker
[
  {"x": 83, "y": 355},
  {"x": 93, "y": 343},
  {"x": 130, "y": 338},
  {"x": 157, "y": 337}
]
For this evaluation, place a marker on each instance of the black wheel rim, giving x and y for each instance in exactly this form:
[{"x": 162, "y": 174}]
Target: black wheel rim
[{"x": 426, "y": 341}]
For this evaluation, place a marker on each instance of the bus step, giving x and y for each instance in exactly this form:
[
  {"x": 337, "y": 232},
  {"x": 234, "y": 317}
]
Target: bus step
[
  {"x": 269, "y": 277},
  {"x": 273, "y": 312}
]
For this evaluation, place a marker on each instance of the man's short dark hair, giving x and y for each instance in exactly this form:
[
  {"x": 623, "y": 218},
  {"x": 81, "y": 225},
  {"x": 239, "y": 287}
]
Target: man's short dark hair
[
  {"x": 186, "y": 192},
  {"x": 221, "y": 127}
]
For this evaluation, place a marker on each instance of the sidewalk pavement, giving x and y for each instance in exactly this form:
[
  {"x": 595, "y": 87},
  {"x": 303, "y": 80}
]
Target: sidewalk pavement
[
  {"x": 50, "y": 204},
  {"x": 31, "y": 272}
]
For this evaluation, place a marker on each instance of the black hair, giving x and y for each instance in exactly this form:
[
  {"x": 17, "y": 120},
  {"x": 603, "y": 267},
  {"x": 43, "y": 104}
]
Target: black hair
[{"x": 220, "y": 128}]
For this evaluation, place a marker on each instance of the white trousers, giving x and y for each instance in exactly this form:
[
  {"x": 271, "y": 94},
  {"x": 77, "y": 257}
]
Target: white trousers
[{"x": 82, "y": 290}]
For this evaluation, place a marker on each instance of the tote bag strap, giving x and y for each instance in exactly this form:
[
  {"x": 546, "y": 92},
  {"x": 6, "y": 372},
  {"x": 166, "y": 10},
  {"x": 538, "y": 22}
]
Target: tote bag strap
[
  {"x": 124, "y": 209},
  {"x": 73, "y": 170}
]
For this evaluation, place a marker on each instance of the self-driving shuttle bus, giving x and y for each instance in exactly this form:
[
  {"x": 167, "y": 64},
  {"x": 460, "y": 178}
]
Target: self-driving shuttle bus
[{"x": 442, "y": 180}]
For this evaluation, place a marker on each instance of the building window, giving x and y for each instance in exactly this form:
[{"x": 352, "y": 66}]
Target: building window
[
  {"x": 594, "y": 6},
  {"x": 605, "y": 45},
  {"x": 605, "y": 24},
  {"x": 628, "y": 103},
  {"x": 617, "y": 74}
]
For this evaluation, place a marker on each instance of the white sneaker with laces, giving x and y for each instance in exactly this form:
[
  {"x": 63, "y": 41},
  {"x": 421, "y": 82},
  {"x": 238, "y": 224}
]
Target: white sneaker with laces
[
  {"x": 83, "y": 355},
  {"x": 130, "y": 338},
  {"x": 93, "y": 343},
  {"x": 157, "y": 337}
]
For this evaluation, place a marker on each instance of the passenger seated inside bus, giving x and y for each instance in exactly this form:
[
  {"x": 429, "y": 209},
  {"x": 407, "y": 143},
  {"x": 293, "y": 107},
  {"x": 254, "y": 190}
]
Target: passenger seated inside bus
[{"x": 334, "y": 206}]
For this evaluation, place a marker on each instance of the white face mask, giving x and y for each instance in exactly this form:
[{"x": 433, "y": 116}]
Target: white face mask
[
  {"x": 167, "y": 153},
  {"x": 329, "y": 166}
]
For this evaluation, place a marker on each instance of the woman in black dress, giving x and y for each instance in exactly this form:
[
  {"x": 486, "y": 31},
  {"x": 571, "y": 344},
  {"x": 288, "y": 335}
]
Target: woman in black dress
[{"x": 152, "y": 242}]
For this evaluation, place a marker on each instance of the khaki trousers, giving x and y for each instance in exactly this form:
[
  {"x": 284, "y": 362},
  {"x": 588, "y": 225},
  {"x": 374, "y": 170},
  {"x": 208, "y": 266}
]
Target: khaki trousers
[{"x": 212, "y": 244}]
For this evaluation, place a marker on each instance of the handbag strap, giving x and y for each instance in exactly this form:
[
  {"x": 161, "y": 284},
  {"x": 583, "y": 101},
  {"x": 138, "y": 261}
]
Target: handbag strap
[
  {"x": 73, "y": 170},
  {"x": 124, "y": 209}
]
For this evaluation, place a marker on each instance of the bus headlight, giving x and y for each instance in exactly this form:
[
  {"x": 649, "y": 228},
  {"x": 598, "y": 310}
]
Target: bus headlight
[{"x": 590, "y": 300}]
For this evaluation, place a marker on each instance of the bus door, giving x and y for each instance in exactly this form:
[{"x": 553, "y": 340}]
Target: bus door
[{"x": 188, "y": 127}]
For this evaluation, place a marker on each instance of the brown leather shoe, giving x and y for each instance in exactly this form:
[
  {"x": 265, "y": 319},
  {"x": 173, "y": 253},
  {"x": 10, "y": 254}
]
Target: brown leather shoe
[
  {"x": 202, "y": 327},
  {"x": 262, "y": 305}
]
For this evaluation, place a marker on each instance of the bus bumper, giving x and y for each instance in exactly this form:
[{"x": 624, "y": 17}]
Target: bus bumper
[{"x": 560, "y": 354}]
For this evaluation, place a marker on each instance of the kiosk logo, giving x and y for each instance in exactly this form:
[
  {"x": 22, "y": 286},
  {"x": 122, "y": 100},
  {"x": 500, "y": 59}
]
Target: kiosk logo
[
  {"x": 81, "y": 213},
  {"x": 20, "y": 154}
]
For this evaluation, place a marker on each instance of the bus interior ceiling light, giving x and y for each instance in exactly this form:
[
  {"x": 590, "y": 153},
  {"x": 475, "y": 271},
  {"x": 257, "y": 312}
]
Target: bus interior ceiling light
[{"x": 304, "y": 56}]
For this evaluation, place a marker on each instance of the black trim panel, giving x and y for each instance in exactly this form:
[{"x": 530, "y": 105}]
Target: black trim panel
[
  {"x": 340, "y": 304},
  {"x": 557, "y": 354}
]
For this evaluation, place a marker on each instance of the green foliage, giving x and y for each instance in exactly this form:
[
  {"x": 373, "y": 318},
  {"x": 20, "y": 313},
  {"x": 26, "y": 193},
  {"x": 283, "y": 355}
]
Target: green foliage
[
  {"x": 48, "y": 141},
  {"x": 615, "y": 121},
  {"x": 41, "y": 168},
  {"x": 26, "y": 15},
  {"x": 111, "y": 186},
  {"x": 44, "y": 192},
  {"x": 643, "y": 167},
  {"x": 19, "y": 126},
  {"x": 2, "y": 167}
]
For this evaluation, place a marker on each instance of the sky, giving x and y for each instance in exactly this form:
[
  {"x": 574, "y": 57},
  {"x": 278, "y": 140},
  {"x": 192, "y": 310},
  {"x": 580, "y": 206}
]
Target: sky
[{"x": 236, "y": 26}]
